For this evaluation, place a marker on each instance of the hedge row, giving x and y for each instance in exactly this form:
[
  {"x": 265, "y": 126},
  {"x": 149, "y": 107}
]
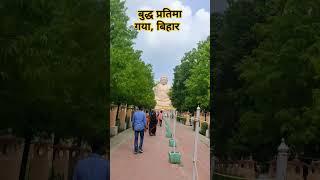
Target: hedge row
[{"x": 181, "y": 119}]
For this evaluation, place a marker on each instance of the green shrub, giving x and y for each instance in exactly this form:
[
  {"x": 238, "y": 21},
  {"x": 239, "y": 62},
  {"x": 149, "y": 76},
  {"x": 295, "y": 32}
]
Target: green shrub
[
  {"x": 183, "y": 120},
  {"x": 178, "y": 118},
  {"x": 204, "y": 127}
]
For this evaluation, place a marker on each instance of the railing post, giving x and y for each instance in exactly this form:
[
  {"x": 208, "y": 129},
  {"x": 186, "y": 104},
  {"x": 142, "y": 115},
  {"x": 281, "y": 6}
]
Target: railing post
[
  {"x": 174, "y": 130},
  {"x": 282, "y": 160},
  {"x": 197, "y": 119}
]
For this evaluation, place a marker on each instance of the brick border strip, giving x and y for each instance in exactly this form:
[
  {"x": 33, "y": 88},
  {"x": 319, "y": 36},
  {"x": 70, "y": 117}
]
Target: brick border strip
[{"x": 234, "y": 177}]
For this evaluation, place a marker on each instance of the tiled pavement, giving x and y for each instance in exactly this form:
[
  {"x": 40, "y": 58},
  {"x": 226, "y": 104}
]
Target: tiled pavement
[{"x": 153, "y": 163}]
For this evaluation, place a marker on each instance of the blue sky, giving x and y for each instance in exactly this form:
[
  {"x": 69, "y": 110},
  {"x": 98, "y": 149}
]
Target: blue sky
[
  {"x": 164, "y": 50},
  {"x": 198, "y": 4}
]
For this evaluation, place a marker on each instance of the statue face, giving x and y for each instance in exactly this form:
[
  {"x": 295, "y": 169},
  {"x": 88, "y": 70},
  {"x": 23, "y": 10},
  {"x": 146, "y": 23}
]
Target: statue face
[{"x": 163, "y": 80}]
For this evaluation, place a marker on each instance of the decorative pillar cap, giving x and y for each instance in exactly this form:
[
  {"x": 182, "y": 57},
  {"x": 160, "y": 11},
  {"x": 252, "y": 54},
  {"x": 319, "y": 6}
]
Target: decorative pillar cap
[
  {"x": 283, "y": 147},
  {"x": 113, "y": 105}
]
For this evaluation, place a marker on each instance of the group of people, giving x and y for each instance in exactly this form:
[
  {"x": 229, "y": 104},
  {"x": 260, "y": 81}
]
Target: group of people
[
  {"x": 153, "y": 118},
  {"x": 143, "y": 121}
]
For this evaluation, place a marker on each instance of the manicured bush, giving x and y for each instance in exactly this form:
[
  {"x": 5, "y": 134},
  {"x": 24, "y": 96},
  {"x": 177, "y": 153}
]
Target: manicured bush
[
  {"x": 204, "y": 127},
  {"x": 174, "y": 157},
  {"x": 181, "y": 119},
  {"x": 178, "y": 118}
]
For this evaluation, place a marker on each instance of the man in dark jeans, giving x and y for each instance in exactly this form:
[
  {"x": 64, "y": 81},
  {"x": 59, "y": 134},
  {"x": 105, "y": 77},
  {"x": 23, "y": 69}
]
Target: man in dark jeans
[
  {"x": 139, "y": 123},
  {"x": 95, "y": 166}
]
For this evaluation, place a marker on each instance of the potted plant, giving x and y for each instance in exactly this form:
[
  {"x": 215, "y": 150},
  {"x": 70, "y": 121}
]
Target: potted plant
[
  {"x": 172, "y": 143},
  {"x": 174, "y": 157}
]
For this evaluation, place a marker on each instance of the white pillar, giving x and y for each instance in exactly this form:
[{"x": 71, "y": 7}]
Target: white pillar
[
  {"x": 197, "y": 119},
  {"x": 282, "y": 160},
  {"x": 174, "y": 131}
]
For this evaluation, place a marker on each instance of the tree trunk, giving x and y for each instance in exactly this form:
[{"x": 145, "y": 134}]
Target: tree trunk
[{"x": 25, "y": 157}]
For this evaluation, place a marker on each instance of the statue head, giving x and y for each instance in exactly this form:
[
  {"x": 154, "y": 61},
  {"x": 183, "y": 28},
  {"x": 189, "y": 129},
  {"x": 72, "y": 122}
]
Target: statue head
[{"x": 164, "y": 80}]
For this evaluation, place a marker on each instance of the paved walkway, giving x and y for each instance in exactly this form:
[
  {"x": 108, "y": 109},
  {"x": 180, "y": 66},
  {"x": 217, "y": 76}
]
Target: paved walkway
[{"x": 153, "y": 163}]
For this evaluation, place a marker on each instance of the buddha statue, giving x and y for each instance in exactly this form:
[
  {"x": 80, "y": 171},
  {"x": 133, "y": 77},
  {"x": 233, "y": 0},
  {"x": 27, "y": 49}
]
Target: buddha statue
[{"x": 161, "y": 91}]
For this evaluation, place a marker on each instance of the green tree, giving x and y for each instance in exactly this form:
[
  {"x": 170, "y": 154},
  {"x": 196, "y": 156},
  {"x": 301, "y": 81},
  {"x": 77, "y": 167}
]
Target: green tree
[
  {"x": 131, "y": 79},
  {"x": 191, "y": 79},
  {"x": 53, "y": 69},
  {"x": 281, "y": 79},
  {"x": 233, "y": 40},
  {"x": 266, "y": 71},
  {"x": 198, "y": 84}
]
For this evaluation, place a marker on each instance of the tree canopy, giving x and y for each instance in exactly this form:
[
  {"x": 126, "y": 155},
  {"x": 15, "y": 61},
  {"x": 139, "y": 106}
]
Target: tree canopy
[
  {"x": 131, "y": 79},
  {"x": 267, "y": 71},
  {"x": 191, "y": 83},
  {"x": 53, "y": 70},
  {"x": 53, "y": 67}
]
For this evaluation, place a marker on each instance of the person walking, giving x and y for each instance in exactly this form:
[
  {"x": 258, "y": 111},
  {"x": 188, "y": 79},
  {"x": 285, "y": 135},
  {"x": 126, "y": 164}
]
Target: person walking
[
  {"x": 148, "y": 119},
  {"x": 160, "y": 118},
  {"x": 139, "y": 123},
  {"x": 153, "y": 123},
  {"x": 95, "y": 166}
]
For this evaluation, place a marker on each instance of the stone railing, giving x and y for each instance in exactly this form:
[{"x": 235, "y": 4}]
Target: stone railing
[
  {"x": 11, "y": 150},
  {"x": 240, "y": 168},
  {"x": 296, "y": 169},
  {"x": 299, "y": 170},
  {"x": 45, "y": 160}
]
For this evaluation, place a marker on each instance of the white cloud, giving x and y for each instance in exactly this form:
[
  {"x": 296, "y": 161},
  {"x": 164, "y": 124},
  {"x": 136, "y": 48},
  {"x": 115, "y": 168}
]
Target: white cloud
[{"x": 164, "y": 50}]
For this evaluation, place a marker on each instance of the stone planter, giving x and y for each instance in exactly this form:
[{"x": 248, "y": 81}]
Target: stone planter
[
  {"x": 122, "y": 117},
  {"x": 207, "y": 133},
  {"x": 113, "y": 114},
  {"x": 113, "y": 130},
  {"x": 174, "y": 157},
  {"x": 129, "y": 116}
]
